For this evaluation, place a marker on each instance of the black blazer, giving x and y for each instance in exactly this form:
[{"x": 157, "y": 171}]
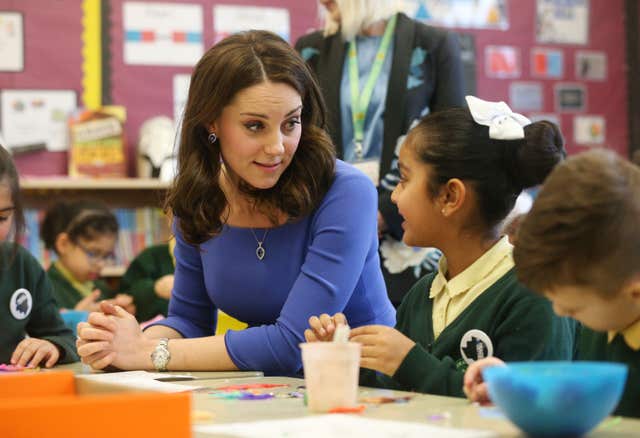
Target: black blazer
[{"x": 426, "y": 76}]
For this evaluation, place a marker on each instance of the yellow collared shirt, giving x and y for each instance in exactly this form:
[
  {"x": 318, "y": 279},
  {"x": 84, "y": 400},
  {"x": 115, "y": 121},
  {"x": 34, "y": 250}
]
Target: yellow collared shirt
[
  {"x": 451, "y": 297},
  {"x": 631, "y": 335},
  {"x": 84, "y": 288}
]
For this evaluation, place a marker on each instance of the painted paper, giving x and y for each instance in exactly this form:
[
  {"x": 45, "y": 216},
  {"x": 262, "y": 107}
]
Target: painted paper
[
  {"x": 180, "y": 95},
  {"x": 562, "y": 21},
  {"x": 162, "y": 33},
  {"x": 484, "y": 14},
  {"x": 502, "y": 61},
  {"x": 591, "y": 66},
  {"x": 589, "y": 130},
  {"x": 525, "y": 96},
  {"x": 229, "y": 19},
  {"x": 36, "y": 117},
  {"x": 570, "y": 97},
  {"x": 547, "y": 63},
  {"x": 11, "y": 41}
]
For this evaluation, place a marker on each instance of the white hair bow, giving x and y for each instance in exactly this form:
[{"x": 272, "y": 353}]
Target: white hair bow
[{"x": 503, "y": 123}]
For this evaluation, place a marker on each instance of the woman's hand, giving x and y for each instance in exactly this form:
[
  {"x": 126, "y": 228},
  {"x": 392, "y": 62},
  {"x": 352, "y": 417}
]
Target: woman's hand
[
  {"x": 383, "y": 348},
  {"x": 323, "y": 327},
  {"x": 31, "y": 351},
  {"x": 474, "y": 386},
  {"x": 113, "y": 337}
]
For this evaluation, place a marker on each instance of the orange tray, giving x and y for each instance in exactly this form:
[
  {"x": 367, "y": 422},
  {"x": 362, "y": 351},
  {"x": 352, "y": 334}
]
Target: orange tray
[{"x": 47, "y": 404}]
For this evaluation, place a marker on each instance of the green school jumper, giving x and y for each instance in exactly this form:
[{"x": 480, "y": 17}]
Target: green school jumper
[
  {"x": 139, "y": 280},
  {"x": 66, "y": 295},
  {"x": 27, "y": 306},
  {"x": 506, "y": 321},
  {"x": 594, "y": 346}
]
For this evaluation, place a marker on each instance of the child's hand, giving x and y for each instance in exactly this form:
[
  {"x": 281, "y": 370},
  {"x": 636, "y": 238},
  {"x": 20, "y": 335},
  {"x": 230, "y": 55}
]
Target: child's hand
[
  {"x": 383, "y": 348},
  {"x": 474, "y": 386},
  {"x": 31, "y": 351},
  {"x": 125, "y": 301},
  {"x": 90, "y": 302},
  {"x": 323, "y": 327},
  {"x": 163, "y": 286}
]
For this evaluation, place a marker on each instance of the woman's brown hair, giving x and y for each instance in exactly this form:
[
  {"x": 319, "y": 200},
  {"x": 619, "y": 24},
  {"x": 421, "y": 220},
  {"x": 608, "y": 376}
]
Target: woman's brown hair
[{"x": 236, "y": 63}]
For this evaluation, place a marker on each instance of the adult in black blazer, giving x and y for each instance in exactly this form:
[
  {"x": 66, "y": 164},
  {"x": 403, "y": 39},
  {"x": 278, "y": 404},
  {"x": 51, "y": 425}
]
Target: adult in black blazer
[{"x": 426, "y": 75}]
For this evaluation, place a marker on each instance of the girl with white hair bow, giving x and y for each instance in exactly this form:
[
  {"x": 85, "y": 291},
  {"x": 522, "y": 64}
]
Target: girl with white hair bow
[
  {"x": 380, "y": 70},
  {"x": 461, "y": 172}
]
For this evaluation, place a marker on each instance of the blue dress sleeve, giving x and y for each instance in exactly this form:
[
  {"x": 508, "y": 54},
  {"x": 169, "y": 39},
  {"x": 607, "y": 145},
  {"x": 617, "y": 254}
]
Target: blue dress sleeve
[
  {"x": 343, "y": 230},
  {"x": 191, "y": 311}
]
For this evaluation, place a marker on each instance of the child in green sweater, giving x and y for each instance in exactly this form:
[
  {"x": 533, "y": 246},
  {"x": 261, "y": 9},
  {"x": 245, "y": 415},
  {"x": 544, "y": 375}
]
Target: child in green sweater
[
  {"x": 461, "y": 172},
  {"x": 580, "y": 246},
  {"x": 31, "y": 330},
  {"x": 83, "y": 235}
]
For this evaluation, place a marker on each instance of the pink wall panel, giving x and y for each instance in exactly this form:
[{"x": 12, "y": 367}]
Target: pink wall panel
[{"x": 606, "y": 33}]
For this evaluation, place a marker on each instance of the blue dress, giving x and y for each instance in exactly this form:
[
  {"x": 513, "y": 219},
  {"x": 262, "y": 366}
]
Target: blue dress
[{"x": 325, "y": 263}]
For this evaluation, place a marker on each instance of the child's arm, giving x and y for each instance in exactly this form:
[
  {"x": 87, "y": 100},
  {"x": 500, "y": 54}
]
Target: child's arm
[
  {"x": 323, "y": 327},
  {"x": 474, "y": 386}
]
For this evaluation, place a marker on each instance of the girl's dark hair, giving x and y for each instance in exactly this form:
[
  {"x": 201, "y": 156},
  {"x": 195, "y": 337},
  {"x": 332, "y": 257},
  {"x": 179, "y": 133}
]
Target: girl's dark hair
[
  {"x": 498, "y": 170},
  {"x": 236, "y": 63},
  {"x": 79, "y": 219},
  {"x": 9, "y": 175}
]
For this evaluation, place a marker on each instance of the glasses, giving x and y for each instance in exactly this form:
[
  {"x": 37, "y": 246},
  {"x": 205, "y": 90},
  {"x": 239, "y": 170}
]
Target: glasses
[{"x": 97, "y": 257}]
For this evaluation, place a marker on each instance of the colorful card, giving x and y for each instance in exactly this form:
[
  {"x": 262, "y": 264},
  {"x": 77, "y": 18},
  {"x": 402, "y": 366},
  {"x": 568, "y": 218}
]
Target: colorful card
[
  {"x": 591, "y": 66},
  {"x": 526, "y": 96},
  {"x": 502, "y": 61},
  {"x": 547, "y": 63},
  {"x": 570, "y": 97},
  {"x": 589, "y": 130}
]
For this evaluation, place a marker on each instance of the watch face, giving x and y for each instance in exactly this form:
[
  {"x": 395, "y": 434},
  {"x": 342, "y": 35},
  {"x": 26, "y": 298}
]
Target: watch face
[{"x": 160, "y": 358}]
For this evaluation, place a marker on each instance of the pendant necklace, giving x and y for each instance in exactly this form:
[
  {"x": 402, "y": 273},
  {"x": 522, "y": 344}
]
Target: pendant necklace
[{"x": 260, "y": 251}]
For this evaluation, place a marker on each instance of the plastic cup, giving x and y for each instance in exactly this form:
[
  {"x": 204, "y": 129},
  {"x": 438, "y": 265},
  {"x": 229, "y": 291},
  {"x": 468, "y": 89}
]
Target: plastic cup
[{"x": 331, "y": 371}]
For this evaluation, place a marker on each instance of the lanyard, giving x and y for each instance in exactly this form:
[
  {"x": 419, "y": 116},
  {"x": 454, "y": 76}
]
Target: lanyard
[{"x": 360, "y": 101}]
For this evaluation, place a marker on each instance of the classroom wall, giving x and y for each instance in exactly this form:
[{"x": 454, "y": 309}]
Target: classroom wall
[
  {"x": 606, "y": 33},
  {"x": 53, "y": 60}
]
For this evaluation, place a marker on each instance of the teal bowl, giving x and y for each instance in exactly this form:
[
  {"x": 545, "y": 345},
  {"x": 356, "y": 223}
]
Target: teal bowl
[{"x": 556, "y": 398}]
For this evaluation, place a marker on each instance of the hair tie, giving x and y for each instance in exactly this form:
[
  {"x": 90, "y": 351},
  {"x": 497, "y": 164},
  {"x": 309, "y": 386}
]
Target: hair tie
[{"x": 503, "y": 123}]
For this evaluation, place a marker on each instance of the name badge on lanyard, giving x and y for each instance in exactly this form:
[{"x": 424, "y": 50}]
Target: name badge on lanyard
[{"x": 360, "y": 101}]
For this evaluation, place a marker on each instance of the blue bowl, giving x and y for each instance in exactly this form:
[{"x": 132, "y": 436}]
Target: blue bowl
[{"x": 556, "y": 398}]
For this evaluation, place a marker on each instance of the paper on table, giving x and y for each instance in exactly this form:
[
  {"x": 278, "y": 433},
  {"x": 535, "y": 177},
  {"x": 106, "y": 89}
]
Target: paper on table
[
  {"x": 141, "y": 380},
  {"x": 322, "y": 426}
]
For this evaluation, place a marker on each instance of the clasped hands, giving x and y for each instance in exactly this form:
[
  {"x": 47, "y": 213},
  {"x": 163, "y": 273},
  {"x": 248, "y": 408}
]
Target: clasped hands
[
  {"x": 383, "y": 348},
  {"x": 112, "y": 337}
]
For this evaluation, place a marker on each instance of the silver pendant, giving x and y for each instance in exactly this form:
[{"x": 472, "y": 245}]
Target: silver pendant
[{"x": 260, "y": 252}]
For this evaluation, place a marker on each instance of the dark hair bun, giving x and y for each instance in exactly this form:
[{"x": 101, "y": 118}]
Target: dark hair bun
[{"x": 541, "y": 150}]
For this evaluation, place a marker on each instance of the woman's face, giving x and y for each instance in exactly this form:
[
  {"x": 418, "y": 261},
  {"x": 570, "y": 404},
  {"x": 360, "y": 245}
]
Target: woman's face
[
  {"x": 259, "y": 132},
  {"x": 6, "y": 211},
  {"x": 332, "y": 9}
]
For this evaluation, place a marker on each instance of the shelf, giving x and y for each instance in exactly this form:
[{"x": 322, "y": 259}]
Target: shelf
[{"x": 93, "y": 184}]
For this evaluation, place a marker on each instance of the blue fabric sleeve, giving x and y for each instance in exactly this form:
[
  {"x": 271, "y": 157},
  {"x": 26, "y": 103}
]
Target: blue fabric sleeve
[
  {"x": 343, "y": 229},
  {"x": 191, "y": 311}
]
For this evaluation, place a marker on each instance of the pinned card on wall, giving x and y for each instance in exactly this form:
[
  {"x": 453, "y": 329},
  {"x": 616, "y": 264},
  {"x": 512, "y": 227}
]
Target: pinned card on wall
[
  {"x": 526, "y": 96},
  {"x": 589, "y": 130},
  {"x": 570, "y": 97},
  {"x": 591, "y": 66},
  {"x": 562, "y": 21},
  {"x": 547, "y": 63},
  {"x": 502, "y": 61},
  {"x": 553, "y": 118},
  {"x": 11, "y": 41}
]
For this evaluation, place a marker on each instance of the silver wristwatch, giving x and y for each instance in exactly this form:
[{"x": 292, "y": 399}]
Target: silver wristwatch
[{"x": 161, "y": 355}]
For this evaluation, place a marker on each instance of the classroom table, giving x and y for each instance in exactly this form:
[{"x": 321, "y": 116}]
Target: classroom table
[{"x": 422, "y": 408}]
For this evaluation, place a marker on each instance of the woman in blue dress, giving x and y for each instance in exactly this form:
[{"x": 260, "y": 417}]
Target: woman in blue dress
[{"x": 270, "y": 227}]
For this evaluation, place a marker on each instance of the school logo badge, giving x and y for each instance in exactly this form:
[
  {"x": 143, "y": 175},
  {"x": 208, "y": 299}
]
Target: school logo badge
[
  {"x": 21, "y": 304},
  {"x": 475, "y": 345}
]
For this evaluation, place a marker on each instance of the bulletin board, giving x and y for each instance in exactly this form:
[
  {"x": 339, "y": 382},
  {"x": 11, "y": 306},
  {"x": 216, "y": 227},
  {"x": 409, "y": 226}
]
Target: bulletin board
[
  {"x": 53, "y": 60},
  {"x": 604, "y": 99}
]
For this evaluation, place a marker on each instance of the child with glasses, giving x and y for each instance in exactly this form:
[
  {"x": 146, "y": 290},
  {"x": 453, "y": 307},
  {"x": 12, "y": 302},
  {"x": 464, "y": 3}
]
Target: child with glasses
[{"x": 83, "y": 235}]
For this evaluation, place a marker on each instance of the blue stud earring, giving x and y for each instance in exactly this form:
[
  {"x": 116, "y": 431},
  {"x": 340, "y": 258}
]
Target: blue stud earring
[{"x": 212, "y": 138}]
